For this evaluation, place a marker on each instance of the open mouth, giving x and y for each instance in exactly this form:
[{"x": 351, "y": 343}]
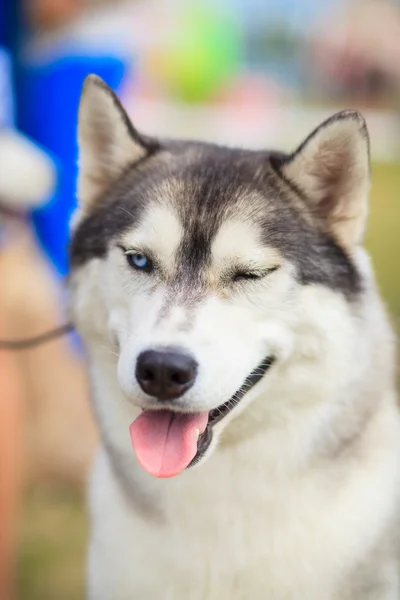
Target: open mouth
[
  {"x": 167, "y": 442},
  {"x": 217, "y": 414}
]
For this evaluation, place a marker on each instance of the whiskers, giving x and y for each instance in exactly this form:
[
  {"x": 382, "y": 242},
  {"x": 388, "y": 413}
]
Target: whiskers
[{"x": 110, "y": 350}]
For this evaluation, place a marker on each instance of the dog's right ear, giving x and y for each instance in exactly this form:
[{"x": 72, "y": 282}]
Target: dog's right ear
[{"x": 108, "y": 142}]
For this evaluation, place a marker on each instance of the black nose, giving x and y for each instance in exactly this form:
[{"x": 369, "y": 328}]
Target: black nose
[{"x": 165, "y": 374}]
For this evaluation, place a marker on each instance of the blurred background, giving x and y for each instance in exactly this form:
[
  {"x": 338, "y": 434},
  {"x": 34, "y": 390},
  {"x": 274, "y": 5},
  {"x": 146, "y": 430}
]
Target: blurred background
[{"x": 259, "y": 73}]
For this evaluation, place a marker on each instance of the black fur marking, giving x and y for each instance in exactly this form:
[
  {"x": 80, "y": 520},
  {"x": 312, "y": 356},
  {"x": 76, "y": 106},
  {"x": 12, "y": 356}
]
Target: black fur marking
[
  {"x": 93, "y": 236},
  {"x": 119, "y": 209},
  {"x": 215, "y": 183},
  {"x": 277, "y": 163},
  {"x": 318, "y": 257}
]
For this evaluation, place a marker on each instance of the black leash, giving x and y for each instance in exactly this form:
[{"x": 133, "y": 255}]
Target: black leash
[{"x": 26, "y": 343}]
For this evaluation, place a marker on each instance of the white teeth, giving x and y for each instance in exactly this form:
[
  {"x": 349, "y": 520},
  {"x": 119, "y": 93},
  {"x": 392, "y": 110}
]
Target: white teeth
[{"x": 197, "y": 434}]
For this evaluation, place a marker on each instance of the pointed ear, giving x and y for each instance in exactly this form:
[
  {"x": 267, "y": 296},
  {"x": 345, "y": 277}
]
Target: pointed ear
[
  {"x": 108, "y": 142},
  {"x": 332, "y": 172}
]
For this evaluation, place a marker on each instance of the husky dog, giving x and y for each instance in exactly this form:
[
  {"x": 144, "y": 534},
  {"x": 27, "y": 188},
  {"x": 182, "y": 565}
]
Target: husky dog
[{"x": 242, "y": 363}]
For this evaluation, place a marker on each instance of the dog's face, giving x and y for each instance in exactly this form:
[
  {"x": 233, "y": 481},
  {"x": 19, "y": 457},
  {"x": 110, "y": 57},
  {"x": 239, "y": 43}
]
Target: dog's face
[{"x": 195, "y": 261}]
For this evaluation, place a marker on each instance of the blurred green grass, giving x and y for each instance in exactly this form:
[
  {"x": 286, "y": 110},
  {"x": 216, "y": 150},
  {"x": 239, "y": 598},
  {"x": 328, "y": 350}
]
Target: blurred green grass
[
  {"x": 383, "y": 234},
  {"x": 53, "y": 539},
  {"x": 54, "y": 526}
]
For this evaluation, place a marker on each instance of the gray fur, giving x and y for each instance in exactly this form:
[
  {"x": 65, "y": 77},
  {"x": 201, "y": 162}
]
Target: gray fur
[{"x": 210, "y": 183}]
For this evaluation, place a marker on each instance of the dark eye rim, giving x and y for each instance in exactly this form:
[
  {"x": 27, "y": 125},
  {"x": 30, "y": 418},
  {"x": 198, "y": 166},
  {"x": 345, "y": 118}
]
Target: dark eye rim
[
  {"x": 130, "y": 252},
  {"x": 147, "y": 269},
  {"x": 253, "y": 275}
]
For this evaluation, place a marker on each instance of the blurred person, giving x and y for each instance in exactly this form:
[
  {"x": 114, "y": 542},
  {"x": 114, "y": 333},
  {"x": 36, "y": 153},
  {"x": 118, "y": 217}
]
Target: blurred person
[
  {"x": 357, "y": 47},
  {"x": 43, "y": 388},
  {"x": 50, "y": 14},
  {"x": 26, "y": 178}
]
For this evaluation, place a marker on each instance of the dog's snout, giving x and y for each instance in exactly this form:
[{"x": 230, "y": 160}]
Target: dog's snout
[{"x": 165, "y": 374}]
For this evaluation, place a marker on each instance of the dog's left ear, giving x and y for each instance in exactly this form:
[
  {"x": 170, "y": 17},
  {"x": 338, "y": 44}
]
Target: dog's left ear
[
  {"x": 108, "y": 142},
  {"x": 331, "y": 169}
]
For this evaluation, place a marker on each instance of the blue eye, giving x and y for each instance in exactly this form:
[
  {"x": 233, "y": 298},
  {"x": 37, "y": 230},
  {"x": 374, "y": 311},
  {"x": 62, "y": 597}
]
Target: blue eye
[{"x": 139, "y": 261}]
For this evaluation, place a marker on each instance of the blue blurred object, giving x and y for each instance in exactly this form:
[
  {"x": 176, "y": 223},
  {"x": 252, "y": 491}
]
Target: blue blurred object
[
  {"x": 6, "y": 93},
  {"x": 6, "y": 105},
  {"x": 49, "y": 93},
  {"x": 6, "y": 67}
]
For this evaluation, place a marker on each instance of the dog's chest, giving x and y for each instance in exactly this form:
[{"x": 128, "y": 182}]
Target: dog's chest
[
  {"x": 227, "y": 534},
  {"x": 236, "y": 535}
]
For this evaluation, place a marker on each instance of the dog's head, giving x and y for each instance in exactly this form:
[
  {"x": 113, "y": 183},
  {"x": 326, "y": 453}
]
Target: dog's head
[{"x": 213, "y": 271}]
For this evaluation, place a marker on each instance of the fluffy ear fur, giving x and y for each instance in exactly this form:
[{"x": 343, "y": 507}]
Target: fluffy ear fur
[
  {"x": 108, "y": 142},
  {"x": 331, "y": 169}
]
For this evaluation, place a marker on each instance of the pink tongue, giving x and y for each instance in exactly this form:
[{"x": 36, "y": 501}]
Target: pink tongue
[{"x": 165, "y": 442}]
